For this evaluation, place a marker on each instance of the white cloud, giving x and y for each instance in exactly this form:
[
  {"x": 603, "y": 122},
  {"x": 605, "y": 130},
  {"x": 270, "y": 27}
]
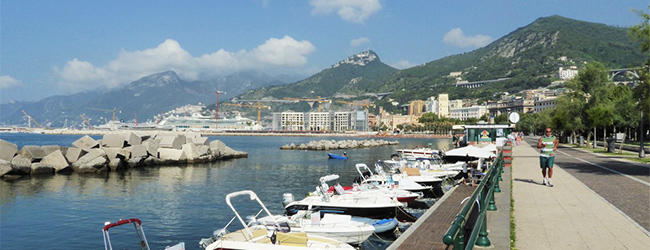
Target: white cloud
[
  {"x": 354, "y": 11},
  {"x": 457, "y": 38},
  {"x": 403, "y": 64},
  {"x": 359, "y": 41},
  {"x": 272, "y": 56},
  {"x": 7, "y": 82}
]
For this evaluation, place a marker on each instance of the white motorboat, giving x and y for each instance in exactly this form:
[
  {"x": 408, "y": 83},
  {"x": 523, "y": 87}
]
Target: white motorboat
[
  {"x": 340, "y": 227},
  {"x": 417, "y": 152},
  {"x": 368, "y": 179},
  {"x": 271, "y": 238},
  {"x": 142, "y": 240},
  {"x": 376, "y": 205}
]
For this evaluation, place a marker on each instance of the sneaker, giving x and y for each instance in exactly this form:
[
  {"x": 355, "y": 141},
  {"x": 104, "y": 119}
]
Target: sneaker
[
  {"x": 548, "y": 183},
  {"x": 544, "y": 181}
]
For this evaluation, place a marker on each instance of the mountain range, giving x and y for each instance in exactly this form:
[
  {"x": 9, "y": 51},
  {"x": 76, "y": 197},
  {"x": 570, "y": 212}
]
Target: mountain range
[{"x": 528, "y": 57}]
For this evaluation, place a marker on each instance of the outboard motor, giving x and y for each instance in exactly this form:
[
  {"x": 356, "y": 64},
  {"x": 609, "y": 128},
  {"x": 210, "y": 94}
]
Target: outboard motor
[{"x": 287, "y": 198}]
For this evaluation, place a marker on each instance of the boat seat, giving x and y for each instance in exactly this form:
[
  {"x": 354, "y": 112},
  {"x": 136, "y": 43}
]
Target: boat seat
[
  {"x": 259, "y": 235},
  {"x": 292, "y": 239},
  {"x": 412, "y": 171}
]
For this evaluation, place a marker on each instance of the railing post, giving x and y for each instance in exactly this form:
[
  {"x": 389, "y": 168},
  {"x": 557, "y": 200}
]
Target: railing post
[
  {"x": 483, "y": 240},
  {"x": 491, "y": 204}
]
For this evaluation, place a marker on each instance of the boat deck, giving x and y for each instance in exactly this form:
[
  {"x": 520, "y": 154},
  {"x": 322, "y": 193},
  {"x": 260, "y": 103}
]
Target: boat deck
[{"x": 428, "y": 235}]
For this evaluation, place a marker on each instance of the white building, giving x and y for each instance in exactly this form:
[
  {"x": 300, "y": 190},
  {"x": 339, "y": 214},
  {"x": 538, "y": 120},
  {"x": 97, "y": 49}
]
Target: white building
[
  {"x": 566, "y": 74},
  {"x": 318, "y": 121},
  {"x": 463, "y": 113},
  {"x": 443, "y": 105}
]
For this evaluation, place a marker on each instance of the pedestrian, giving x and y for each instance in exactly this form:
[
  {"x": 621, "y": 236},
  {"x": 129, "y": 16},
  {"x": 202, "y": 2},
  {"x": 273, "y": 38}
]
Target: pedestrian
[{"x": 548, "y": 143}]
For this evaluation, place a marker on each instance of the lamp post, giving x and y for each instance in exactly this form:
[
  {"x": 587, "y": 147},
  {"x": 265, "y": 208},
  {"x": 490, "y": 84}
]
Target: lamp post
[{"x": 642, "y": 133}]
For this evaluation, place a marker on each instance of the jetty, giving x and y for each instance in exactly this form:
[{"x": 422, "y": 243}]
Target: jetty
[
  {"x": 116, "y": 151},
  {"x": 334, "y": 144}
]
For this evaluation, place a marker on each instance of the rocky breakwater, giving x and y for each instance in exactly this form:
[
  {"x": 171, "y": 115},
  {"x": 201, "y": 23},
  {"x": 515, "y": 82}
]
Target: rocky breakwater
[
  {"x": 115, "y": 151},
  {"x": 333, "y": 144}
]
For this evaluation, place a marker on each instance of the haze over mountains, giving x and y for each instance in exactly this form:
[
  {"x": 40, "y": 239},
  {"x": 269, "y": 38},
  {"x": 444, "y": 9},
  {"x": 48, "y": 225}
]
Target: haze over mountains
[{"x": 528, "y": 57}]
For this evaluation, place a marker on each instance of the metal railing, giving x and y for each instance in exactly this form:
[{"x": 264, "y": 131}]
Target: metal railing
[{"x": 473, "y": 215}]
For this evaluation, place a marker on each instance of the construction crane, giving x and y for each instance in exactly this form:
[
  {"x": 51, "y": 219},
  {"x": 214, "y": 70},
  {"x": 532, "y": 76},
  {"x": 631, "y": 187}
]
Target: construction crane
[
  {"x": 365, "y": 104},
  {"x": 258, "y": 106},
  {"x": 86, "y": 121},
  {"x": 319, "y": 100},
  {"x": 30, "y": 119},
  {"x": 108, "y": 110},
  {"x": 216, "y": 110}
]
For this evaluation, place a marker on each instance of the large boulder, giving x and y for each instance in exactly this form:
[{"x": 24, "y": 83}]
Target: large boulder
[
  {"x": 120, "y": 153},
  {"x": 86, "y": 143},
  {"x": 7, "y": 150},
  {"x": 113, "y": 140},
  {"x": 217, "y": 147},
  {"x": 199, "y": 140},
  {"x": 57, "y": 161},
  {"x": 21, "y": 165},
  {"x": 116, "y": 164},
  {"x": 32, "y": 153}
]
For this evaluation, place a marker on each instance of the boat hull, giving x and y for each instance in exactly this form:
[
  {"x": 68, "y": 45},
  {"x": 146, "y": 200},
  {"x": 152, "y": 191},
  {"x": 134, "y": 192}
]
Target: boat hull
[{"x": 335, "y": 156}]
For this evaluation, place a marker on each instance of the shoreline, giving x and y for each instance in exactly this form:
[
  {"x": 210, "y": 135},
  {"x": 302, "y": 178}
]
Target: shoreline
[{"x": 243, "y": 133}]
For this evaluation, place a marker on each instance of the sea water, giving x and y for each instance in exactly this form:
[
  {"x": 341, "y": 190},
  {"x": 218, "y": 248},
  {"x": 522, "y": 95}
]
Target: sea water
[{"x": 176, "y": 202}]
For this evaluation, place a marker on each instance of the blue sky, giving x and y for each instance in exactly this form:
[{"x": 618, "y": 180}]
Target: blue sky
[{"x": 67, "y": 46}]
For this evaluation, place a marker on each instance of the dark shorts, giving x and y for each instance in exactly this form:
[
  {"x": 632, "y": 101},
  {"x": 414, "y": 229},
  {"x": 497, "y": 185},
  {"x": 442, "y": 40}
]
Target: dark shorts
[{"x": 546, "y": 162}]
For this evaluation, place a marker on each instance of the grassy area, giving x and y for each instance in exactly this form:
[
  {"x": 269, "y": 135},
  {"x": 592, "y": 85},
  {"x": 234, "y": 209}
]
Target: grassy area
[{"x": 628, "y": 155}]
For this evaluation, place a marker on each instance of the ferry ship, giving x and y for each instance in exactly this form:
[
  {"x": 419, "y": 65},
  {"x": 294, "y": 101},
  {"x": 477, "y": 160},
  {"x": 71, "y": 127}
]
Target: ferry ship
[{"x": 198, "y": 122}]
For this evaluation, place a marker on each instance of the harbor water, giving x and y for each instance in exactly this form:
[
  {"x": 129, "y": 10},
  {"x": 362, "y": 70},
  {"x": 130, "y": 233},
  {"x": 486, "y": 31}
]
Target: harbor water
[{"x": 177, "y": 203}]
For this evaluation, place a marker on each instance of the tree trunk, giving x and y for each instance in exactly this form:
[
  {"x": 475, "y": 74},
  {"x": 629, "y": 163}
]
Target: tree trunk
[{"x": 589, "y": 139}]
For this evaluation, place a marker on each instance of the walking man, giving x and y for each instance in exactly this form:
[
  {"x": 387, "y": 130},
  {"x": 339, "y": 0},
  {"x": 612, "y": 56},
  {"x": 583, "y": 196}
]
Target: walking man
[{"x": 548, "y": 143}]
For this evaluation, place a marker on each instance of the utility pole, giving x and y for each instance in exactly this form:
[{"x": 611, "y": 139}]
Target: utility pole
[{"x": 216, "y": 109}]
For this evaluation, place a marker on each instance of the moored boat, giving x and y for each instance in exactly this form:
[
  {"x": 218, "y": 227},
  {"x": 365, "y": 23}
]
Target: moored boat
[
  {"x": 343, "y": 156},
  {"x": 276, "y": 237}
]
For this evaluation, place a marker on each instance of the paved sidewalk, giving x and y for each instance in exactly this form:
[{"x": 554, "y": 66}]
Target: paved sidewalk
[{"x": 566, "y": 216}]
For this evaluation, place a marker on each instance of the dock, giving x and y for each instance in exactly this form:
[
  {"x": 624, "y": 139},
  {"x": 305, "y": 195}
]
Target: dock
[{"x": 428, "y": 230}]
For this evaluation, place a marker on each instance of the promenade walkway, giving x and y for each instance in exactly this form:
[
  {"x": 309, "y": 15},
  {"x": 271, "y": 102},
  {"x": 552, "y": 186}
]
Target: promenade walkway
[{"x": 568, "y": 215}]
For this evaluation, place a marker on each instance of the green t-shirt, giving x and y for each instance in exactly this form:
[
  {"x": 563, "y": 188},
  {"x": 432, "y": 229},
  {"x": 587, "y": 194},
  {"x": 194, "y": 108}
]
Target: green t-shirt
[{"x": 549, "y": 146}]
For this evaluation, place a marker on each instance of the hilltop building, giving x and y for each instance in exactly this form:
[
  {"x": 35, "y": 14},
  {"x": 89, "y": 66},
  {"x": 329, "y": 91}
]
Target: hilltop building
[{"x": 566, "y": 74}]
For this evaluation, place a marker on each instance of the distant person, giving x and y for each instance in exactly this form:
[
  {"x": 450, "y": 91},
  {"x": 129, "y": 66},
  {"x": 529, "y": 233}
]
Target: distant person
[
  {"x": 548, "y": 143},
  {"x": 465, "y": 173},
  {"x": 345, "y": 154}
]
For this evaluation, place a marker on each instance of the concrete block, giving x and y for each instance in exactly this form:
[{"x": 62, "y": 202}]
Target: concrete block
[
  {"x": 113, "y": 141},
  {"x": 48, "y": 149},
  {"x": 151, "y": 146},
  {"x": 170, "y": 141},
  {"x": 5, "y": 167},
  {"x": 73, "y": 154},
  {"x": 57, "y": 161},
  {"x": 132, "y": 138},
  {"x": 200, "y": 141},
  {"x": 38, "y": 168},
  {"x": 32, "y": 153},
  {"x": 120, "y": 153},
  {"x": 116, "y": 164},
  {"x": 190, "y": 151},
  {"x": 96, "y": 165},
  {"x": 7, "y": 150},
  {"x": 86, "y": 143},
  {"x": 137, "y": 151},
  {"x": 217, "y": 147},
  {"x": 190, "y": 136},
  {"x": 170, "y": 154},
  {"x": 90, "y": 156},
  {"x": 203, "y": 150},
  {"x": 21, "y": 165}
]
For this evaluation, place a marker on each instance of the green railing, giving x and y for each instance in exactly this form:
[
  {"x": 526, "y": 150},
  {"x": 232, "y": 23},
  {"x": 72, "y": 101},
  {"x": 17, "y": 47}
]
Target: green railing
[{"x": 481, "y": 201}]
